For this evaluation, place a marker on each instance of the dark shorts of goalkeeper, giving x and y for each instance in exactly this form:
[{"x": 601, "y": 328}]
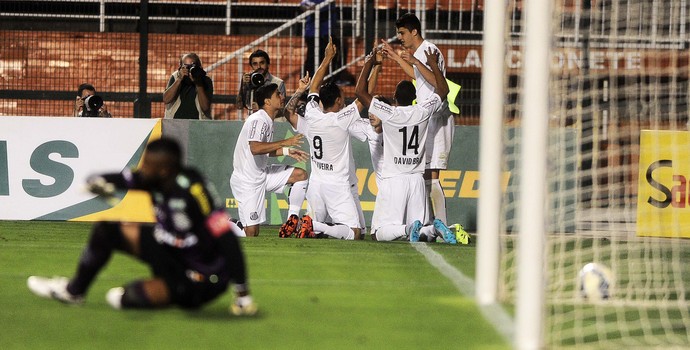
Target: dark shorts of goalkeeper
[{"x": 188, "y": 289}]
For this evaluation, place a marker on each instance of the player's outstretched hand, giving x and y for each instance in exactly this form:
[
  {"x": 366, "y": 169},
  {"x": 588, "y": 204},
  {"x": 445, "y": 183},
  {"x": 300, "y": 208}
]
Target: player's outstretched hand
[
  {"x": 304, "y": 82},
  {"x": 370, "y": 58},
  {"x": 431, "y": 56},
  {"x": 407, "y": 57},
  {"x": 378, "y": 53},
  {"x": 98, "y": 185},
  {"x": 298, "y": 155},
  {"x": 388, "y": 51},
  {"x": 331, "y": 49},
  {"x": 294, "y": 141}
]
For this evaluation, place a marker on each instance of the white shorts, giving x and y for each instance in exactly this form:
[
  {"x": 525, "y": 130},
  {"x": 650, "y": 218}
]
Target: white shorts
[
  {"x": 251, "y": 197},
  {"x": 334, "y": 201},
  {"x": 401, "y": 200},
  {"x": 439, "y": 138}
]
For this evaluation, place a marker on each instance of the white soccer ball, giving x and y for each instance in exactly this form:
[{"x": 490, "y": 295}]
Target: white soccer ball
[{"x": 595, "y": 282}]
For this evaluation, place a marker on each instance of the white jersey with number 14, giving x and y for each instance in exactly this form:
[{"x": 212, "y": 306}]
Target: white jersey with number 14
[{"x": 404, "y": 134}]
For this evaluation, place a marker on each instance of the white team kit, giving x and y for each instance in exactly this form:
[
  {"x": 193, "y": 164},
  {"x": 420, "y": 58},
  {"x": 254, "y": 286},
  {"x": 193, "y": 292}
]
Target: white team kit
[
  {"x": 329, "y": 194},
  {"x": 362, "y": 130},
  {"x": 402, "y": 197},
  {"x": 441, "y": 128},
  {"x": 252, "y": 176}
]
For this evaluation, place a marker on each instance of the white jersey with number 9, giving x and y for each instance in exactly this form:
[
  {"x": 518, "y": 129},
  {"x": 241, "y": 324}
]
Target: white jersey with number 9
[{"x": 329, "y": 141}]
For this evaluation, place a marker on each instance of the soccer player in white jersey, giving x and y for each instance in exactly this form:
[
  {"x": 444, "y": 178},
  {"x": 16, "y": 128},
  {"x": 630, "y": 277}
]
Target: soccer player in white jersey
[
  {"x": 374, "y": 132},
  {"x": 441, "y": 128},
  {"x": 400, "y": 203},
  {"x": 252, "y": 176},
  {"x": 330, "y": 194},
  {"x": 364, "y": 131},
  {"x": 376, "y": 143}
]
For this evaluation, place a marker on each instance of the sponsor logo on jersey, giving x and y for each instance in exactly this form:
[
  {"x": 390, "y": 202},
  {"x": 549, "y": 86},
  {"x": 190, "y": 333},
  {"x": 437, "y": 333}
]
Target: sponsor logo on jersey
[
  {"x": 194, "y": 276},
  {"x": 177, "y": 204},
  {"x": 197, "y": 191},
  {"x": 346, "y": 113},
  {"x": 252, "y": 129},
  {"x": 264, "y": 132},
  {"x": 181, "y": 221},
  {"x": 164, "y": 237},
  {"x": 218, "y": 223},
  {"x": 183, "y": 181},
  {"x": 383, "y": 107},
  {"x": 431, "y": 104}
]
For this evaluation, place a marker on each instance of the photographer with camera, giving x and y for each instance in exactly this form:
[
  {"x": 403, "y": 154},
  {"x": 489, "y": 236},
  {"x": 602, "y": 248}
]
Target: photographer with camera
[
  {"x": 189, "y": 91},
  {"x": 260, "y": 76},
  {"x": 88, "y": 104}
]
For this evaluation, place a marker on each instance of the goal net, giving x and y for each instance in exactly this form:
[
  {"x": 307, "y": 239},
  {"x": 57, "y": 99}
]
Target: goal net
[{"x": 618, "y": 158}]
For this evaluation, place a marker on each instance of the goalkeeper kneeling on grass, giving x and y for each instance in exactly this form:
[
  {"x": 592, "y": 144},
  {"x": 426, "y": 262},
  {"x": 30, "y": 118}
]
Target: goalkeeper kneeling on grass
[{"x": 191, "y": 250}]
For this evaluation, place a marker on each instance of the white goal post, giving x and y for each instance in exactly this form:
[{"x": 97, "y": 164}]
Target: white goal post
[{"x": 594, "y": 121}]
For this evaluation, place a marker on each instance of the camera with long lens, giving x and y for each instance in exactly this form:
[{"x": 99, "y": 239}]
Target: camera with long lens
[
  {"x": 257, "y": 79},
  {"x": 92, "y": 104},
  {"x": 195, "y": 71},
  {"x": 301, "y": 108}
]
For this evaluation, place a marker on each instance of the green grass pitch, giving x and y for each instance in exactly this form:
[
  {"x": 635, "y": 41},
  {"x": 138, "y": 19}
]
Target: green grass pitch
[{"x": 312, "y": 294}]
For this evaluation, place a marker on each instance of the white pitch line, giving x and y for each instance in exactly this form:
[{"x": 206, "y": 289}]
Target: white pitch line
[{"x": 494, "y": 313}]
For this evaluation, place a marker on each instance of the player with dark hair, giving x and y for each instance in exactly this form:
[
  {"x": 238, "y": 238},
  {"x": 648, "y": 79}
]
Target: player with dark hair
[
  {"x": 410, "y": 22},
  {"x": 252, "y": 176},
  {"x": 441, "y": 128},
  {"x": 330, "y": 94},
  {"x": 400, "y": 204},
  {"x": 405, "y": 93},
  {"x": 192, "y": 253},
  {"x": 329, "y": 125}
]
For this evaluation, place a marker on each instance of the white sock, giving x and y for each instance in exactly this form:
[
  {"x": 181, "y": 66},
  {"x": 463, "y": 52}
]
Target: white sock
[
  {"x": 390, "y": 232},
  {"x": 334, "y": 230},
  {"x": 428, "y": 214},
  {"x": 237, "y": 230},
  {"x": 428, "y": 230},
  {"x": 296, "y": 197},
  {"x": 114, "y": 297},
  {"x": 438, "y": 200},
  {"x": 244, "y": 301}
]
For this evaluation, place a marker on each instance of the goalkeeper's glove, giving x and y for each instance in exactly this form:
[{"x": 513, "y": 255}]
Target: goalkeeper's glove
[{"x": 99, "y": 186}]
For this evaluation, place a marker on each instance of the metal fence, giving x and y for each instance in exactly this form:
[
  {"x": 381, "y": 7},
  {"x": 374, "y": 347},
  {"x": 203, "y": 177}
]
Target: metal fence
[{"x": 128, "y": 49}]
